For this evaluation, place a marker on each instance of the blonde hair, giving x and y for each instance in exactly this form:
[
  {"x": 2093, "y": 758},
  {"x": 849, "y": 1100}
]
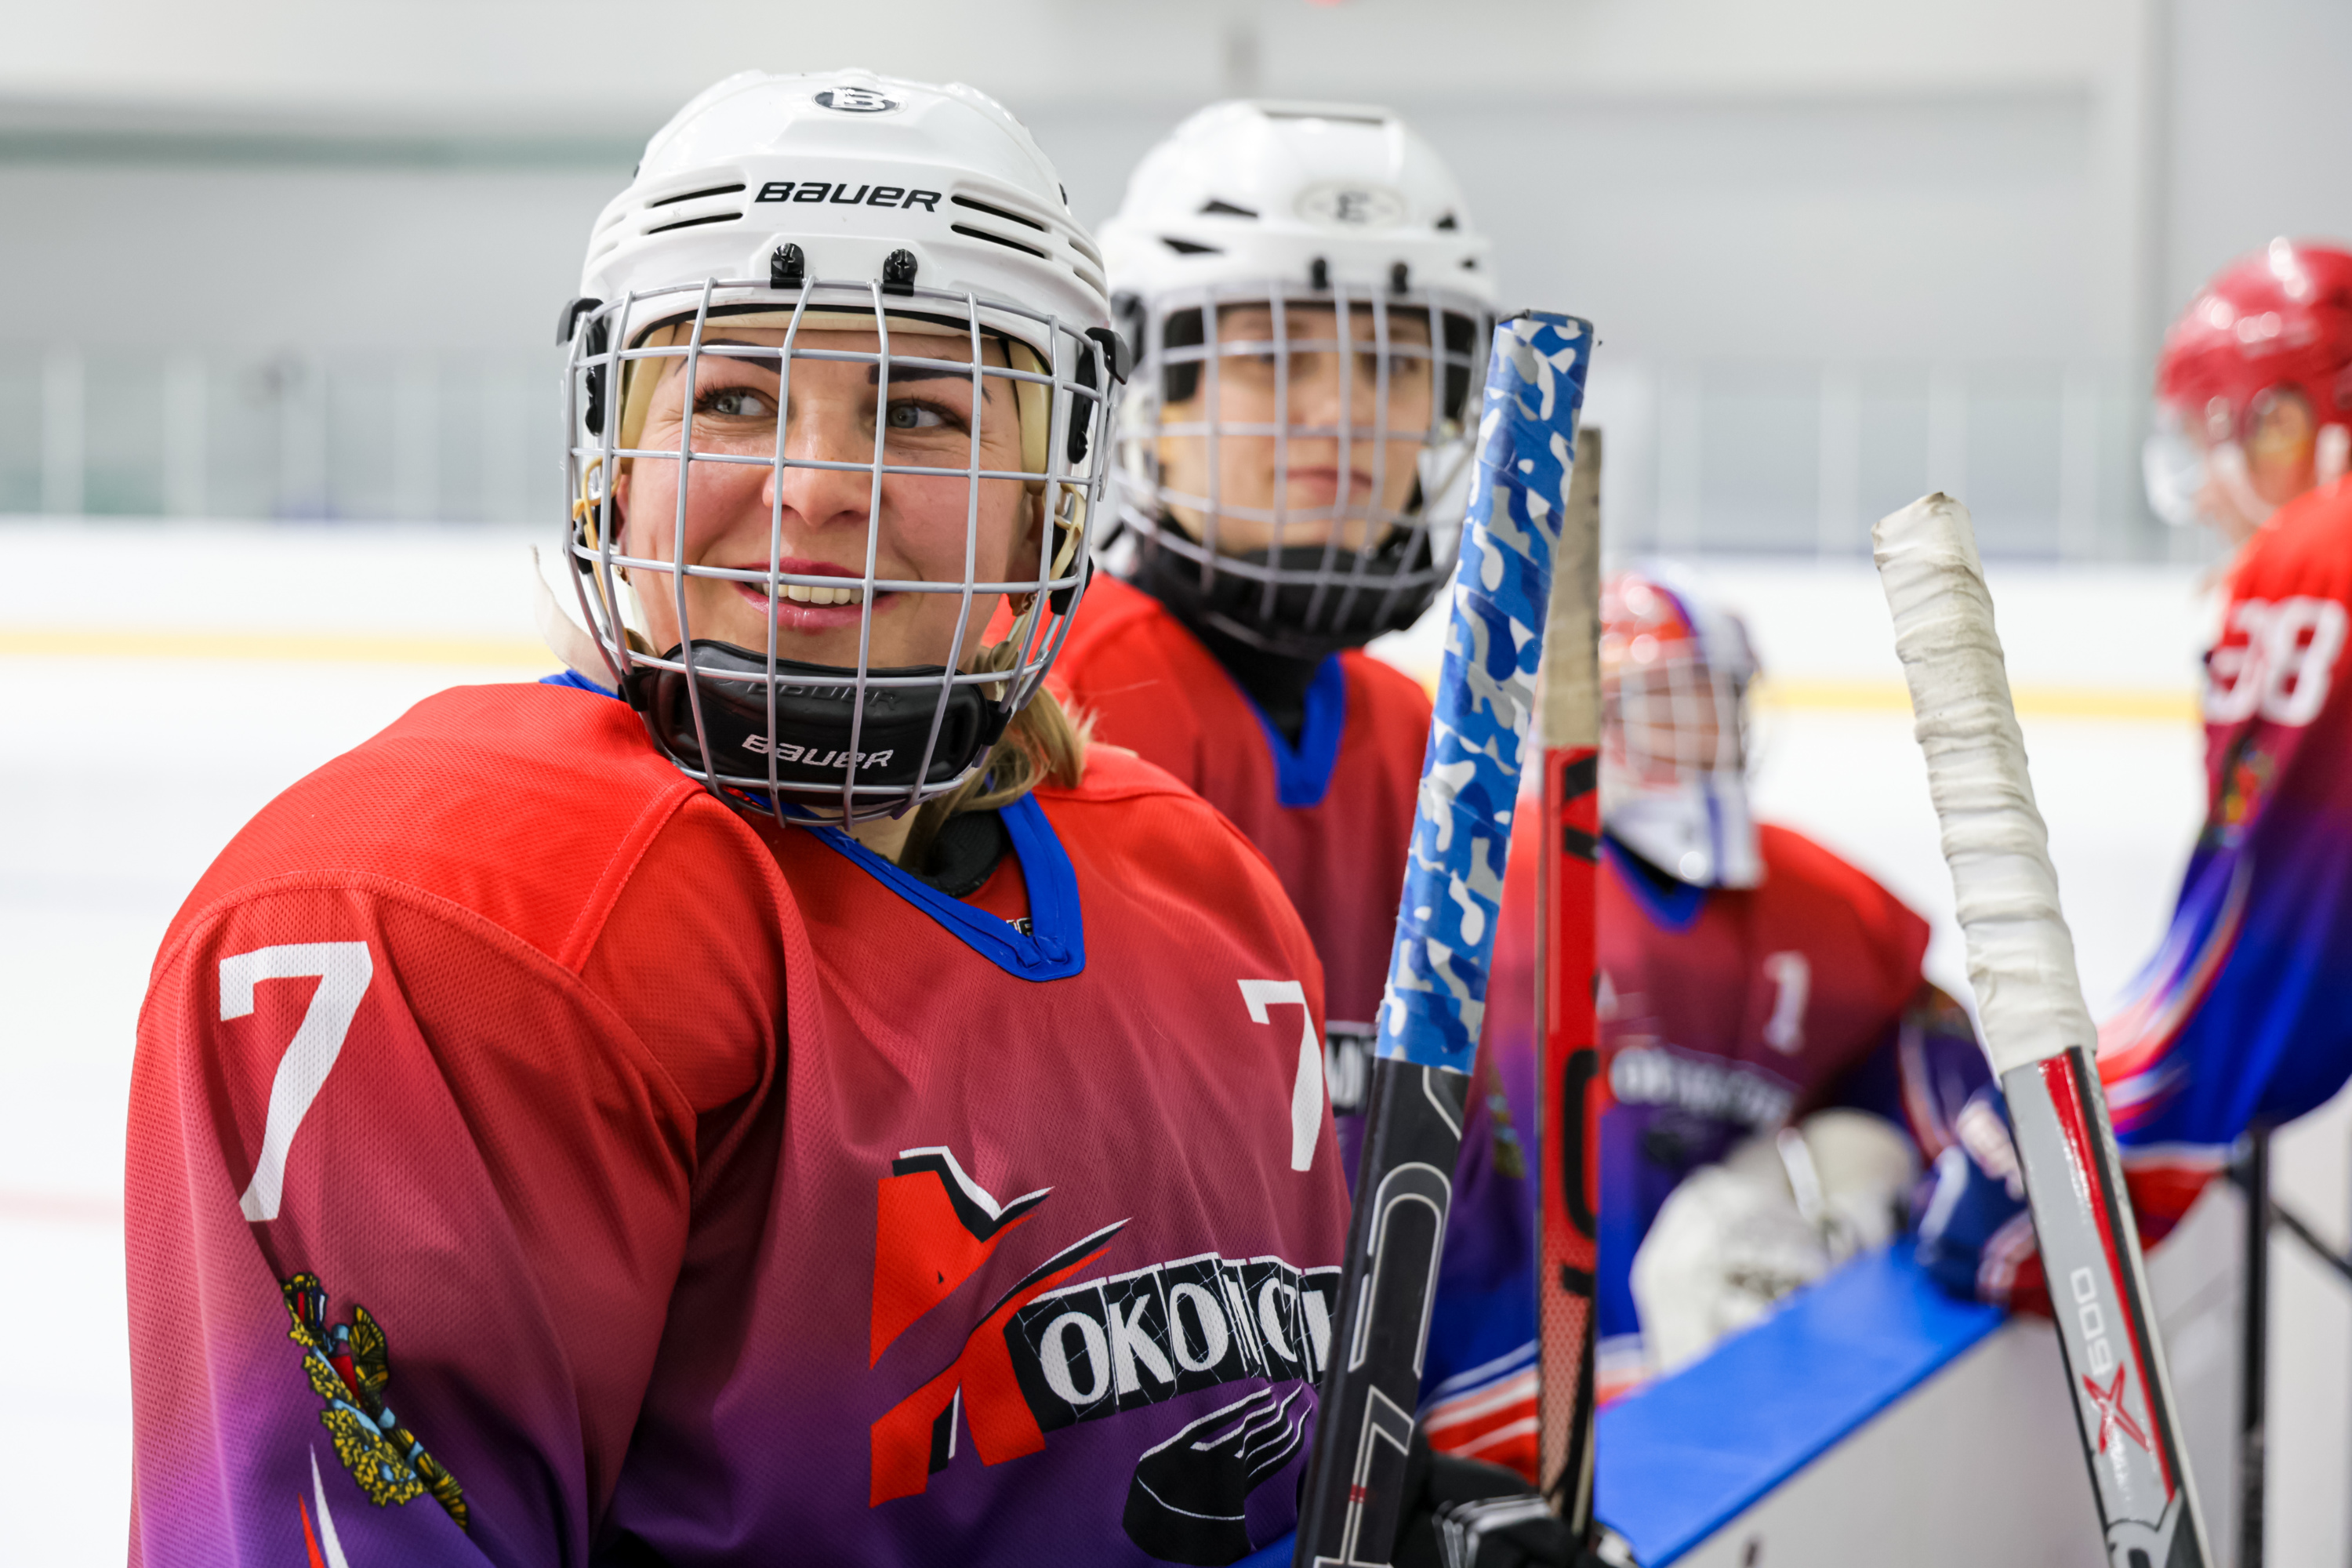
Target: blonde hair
[{"x": 1043, "y": 742}]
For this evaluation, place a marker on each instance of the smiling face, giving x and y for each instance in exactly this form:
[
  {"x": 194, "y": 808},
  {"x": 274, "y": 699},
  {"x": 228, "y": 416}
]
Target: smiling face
[
  {"x": 926, "y": 528},
  {"x": 1304, "y": 474}
]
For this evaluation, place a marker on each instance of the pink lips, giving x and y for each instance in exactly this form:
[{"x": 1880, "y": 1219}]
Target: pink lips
[
  {"x": 1324, "y": 483},
  {"x": 794, "y": 615}
]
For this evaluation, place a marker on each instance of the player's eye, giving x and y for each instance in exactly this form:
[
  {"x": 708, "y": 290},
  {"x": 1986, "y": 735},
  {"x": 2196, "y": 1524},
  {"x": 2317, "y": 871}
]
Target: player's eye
[
  {"x": 907, "y": 414},
  {"x": 735, "y": 402}
]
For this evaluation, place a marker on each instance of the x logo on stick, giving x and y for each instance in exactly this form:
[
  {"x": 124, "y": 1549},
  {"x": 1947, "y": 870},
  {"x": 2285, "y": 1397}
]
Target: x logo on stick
[{"x": 2111, "y": 1414}]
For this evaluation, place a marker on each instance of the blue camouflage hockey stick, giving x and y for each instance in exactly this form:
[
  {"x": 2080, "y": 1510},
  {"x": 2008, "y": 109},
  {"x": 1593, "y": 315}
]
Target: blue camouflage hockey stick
[{"x": 1436, "y": 992}]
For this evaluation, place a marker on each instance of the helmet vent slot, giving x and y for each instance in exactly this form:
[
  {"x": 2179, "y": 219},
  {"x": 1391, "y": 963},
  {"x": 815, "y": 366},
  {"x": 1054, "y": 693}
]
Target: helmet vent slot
[
  {"x": 1188, "y": 247},
  {"x": 970, "y": 232},
  {"x": 690, "y": 195},
  {"x": 1216, "y": 208},
  {"x": 998, "y": 212},
  {"x": 694, "y": 221}
]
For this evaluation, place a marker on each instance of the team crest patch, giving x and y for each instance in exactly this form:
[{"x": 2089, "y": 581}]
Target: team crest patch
[{"x": 350, "y": 1366}]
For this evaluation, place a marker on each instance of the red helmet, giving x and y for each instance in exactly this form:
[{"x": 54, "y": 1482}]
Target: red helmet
[
  {"x": 2278, "y": 322},
  {"x": 2281, "y": 317}
]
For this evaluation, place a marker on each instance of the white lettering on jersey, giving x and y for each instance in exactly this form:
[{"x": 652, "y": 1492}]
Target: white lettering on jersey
[
  {"x": 1792, "y": 976},
  {"x": 1306, "y": 1088},
  {"x": 2284, "y": 669},
  {"x": 343, "y": 968}
]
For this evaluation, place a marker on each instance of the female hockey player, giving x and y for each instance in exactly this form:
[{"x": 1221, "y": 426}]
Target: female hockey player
[
  {"x": 1773, "y": 1064},
  {"x": 1310, "y": 307},
  {"x": 774, "y": 1093}
]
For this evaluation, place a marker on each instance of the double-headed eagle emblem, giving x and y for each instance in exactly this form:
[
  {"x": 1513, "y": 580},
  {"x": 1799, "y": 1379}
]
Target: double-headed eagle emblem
[{"x": 349, "y": 1366}]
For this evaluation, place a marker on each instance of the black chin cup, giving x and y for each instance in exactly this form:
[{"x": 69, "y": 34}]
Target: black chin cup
[
  {"x": 1307, "y": 620},
  {"x": 814, "y": 705}
]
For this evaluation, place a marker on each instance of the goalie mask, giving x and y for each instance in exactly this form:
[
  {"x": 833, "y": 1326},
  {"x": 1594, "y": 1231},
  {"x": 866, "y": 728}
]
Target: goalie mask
[
  {"x": 838, "y": 609},
  {"x": 1675, "y": 673},
  {"x": 1309, "y": 308}
]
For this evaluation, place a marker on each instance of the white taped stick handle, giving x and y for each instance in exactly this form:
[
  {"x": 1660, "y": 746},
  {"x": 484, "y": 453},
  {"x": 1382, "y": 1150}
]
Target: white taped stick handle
[{"x": 2020, "y": 956}]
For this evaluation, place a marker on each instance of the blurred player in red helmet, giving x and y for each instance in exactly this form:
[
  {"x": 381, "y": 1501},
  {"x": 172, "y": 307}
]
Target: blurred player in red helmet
[
  {"x": 2254, "y": 391},
  {"x": 1775, "y": 1065},
  {"x": 2244, "y": 1014},
  {"x": 772, "y": 1093}
]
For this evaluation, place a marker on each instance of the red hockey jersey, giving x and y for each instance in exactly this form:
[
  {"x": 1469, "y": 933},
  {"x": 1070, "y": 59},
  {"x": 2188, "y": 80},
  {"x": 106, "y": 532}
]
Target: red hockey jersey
[
  {"x": 1726, "y": 1012},
  {"x": 533, "y": 1162},
  {"x": 1333, "y": 813}
]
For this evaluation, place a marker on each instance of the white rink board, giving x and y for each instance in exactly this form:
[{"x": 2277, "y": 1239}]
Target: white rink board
[
  {"x": 121, "y": 777},
  {"x": 1980, "y": 1465}
]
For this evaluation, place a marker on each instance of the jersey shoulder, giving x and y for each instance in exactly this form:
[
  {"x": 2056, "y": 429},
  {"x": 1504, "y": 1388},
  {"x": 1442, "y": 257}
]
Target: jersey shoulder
[
  {"x": 528, "y": 806},
  {"x": 2306, "y": 548},
  {"x": 1116, "y": 618},
  {"x": 1386, "y": 693},
  {"x": 1144, "y": 681},
  {"x": 1795, "y": 864},
  {"x": 1134, "y": 814}
]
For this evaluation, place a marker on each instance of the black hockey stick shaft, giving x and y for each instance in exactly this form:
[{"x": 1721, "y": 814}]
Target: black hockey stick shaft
[
  {"x": 2253, "y": 1372},
  {"x": 1434, "y": 1001}
]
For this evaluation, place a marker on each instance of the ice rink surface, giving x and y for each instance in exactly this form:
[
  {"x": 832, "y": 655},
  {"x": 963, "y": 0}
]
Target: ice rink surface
[{"x": 169, "y": 680}]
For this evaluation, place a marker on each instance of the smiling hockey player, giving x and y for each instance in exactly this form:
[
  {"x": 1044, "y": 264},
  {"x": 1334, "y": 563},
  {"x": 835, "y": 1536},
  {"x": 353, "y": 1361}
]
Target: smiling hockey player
[
  {"x": 1310, "y": 304},
  {"x": 773, "y": 1094},
  {"x": 1773, "y": 1063}
]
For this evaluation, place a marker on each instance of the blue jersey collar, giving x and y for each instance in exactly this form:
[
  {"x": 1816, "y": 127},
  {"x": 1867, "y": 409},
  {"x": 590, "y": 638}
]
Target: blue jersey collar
[
  {"x": 1053, "y": 946},
  {"x": 1302, "y": 773},
  {"x": 1673, "y": 904}
]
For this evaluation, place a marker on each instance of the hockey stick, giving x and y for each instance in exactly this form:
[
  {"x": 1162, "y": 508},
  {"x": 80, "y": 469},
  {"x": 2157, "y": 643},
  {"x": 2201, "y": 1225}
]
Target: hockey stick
[
  {"x": 2253, "y": 1346},
  {"x": 1437, "y": 991},
  {"x": 2037, "y": 1033},
  {"x": 1566, "y": 1054}
]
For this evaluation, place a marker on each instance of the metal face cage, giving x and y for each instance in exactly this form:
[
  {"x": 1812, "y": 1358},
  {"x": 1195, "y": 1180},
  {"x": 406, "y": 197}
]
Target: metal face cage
[
  {"x": 1667, "y": 716},
  {"x": 913, "y": 717},
  {"x": 1301, "y": 580}
]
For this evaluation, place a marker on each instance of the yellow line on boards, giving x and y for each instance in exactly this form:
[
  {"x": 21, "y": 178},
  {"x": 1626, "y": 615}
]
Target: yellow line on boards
[
  {"x": 2122, "y": 704},
  {"x": 2139, "y": 705},
  {"x": 278, "y": 648}
]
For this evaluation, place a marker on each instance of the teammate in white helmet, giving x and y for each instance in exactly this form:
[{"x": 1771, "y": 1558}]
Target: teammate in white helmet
[
  {"x": 1310, "y": 305},
  {"x": 772, "y": 1093},
  {"x": 1775, "y": 1067}
]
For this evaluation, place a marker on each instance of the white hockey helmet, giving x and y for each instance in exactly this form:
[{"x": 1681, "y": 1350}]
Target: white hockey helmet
[
  {"x": 1676, "y": 667},
  {"x": 833, "y": 201},
  {"x": 1344, "y": 209}
]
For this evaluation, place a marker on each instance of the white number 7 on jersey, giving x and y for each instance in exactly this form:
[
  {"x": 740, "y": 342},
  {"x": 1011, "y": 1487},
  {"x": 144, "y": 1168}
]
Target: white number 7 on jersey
[
  {"x": 344, "y": 970},
  {"x": 1307, "y": 1089}
]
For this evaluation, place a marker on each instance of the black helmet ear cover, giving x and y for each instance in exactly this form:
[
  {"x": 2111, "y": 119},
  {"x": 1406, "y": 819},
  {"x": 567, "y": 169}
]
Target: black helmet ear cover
[{"x": 814, "y": 706}]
